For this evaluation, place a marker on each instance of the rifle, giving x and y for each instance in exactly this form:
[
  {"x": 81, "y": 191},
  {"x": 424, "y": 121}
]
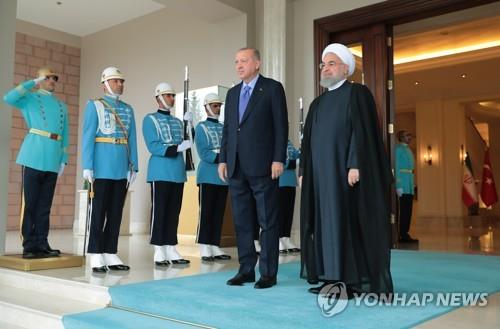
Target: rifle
[
  {"x": 187, "y": 124},
  {"x": 90, "y": 197}
]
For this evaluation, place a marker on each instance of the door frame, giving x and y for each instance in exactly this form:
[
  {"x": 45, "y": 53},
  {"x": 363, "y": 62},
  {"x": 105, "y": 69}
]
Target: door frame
[{"x": 391, "y": 12}]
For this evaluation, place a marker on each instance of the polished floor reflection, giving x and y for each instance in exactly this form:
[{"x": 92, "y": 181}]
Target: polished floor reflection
[{"x": 472, "y": 235}]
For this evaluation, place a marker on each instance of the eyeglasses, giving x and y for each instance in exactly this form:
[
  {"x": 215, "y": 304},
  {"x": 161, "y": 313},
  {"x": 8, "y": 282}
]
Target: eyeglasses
[
  {"x": 329, "y": 64},
  {"x": 53, "y": 77}
]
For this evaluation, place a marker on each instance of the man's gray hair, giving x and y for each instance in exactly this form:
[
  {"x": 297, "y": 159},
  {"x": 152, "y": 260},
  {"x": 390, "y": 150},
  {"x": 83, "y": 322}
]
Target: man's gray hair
[{"x": 255, "y": 52}]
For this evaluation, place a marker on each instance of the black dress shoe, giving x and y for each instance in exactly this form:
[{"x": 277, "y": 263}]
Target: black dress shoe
[
  {"x": 46, "y": 253},
  {"x": 100, "y": 269},
  {"x": 294, "y": 250},
  {"x": 207, "y": 258},
  {"x": 222, "y": 257},
  {"x": 265, "y": 282},
  {"x": 283, "y": 251},
  {"x": 119, "y": 267},
  {"x": 163, "y": 263},
  {"x": 32, "y": 255},
  {"x": 316, "y": 290},
  {"x": 53, "y": 250},
  {"x": 240, "y": 278},
  {"x": 407, "y": 239},
  {"x": 181, "y": 261}
]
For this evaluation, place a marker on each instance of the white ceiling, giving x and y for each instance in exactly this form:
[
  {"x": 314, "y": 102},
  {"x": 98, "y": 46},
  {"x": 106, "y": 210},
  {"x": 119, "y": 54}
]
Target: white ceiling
[{"x": 84, "y": 17}]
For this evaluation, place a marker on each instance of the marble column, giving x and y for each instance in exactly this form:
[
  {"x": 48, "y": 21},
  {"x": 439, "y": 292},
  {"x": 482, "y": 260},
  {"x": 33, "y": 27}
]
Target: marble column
[{"x": 274, "y": 39}]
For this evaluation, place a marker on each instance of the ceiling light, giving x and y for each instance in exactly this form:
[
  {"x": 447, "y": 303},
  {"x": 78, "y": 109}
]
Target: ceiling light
[
  {"x": 491, "y": 104},
  {"x": 447, "y": 52},
  {"x": 463, "y": 75},
  {"x": 416, "y": 83}
]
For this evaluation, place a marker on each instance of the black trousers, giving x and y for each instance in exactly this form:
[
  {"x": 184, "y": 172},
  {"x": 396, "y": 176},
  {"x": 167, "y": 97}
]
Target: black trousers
[
  {"x": 212, "y": 200},
  {"x": 255, "y": 199},
  {"x": 166, "y": 205},
  {"x": 106, "y": 218},
  {"x": 38, "y": 193},
  {"x": 287, "y": 204},
  {"x": 405, "y": 210}
]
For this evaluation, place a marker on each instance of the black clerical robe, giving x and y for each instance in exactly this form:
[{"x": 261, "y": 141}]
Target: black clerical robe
[{"x": 345, "y": 231}]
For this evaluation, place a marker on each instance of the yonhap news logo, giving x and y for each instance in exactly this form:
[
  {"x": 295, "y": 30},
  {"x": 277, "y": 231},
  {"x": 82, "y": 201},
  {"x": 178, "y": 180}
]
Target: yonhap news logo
[{"x": 333, "y": 299}]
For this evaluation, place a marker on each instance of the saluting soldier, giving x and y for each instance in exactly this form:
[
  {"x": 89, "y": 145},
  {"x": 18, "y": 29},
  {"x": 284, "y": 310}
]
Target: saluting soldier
[
  {"x": 163, "y": 134},
  {"x": 109, "y": 161},
  {"x": 287, "y": 190},
  {"x": 212, "y": 189},
  {"x": 43, "y": 156}
]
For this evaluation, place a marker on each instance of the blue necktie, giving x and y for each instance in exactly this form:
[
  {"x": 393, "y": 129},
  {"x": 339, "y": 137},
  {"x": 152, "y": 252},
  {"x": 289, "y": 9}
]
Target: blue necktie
[{"x": 244, "y": 101}]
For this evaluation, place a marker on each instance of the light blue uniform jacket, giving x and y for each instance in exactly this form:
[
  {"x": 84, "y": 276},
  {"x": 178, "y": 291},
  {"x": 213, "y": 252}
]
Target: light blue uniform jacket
[
  {"x": 43, "y": 111},
  {"x": 109, "y": 161},
  {"x": 208, "y": 135},
  {"x": 405, "y": 162},
  {"x": 289, "y": 177},
  {"x": 160, "y": 132}
]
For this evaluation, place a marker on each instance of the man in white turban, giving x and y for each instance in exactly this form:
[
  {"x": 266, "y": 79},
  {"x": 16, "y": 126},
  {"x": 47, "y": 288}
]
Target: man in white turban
[{"x": 346, "y": 178}]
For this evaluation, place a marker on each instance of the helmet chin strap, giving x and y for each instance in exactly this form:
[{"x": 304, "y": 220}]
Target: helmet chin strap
[
  {"x": 211, "y": 114},
  {"x": 110, "y": 92},
  {"x": 167, "y": 107}
]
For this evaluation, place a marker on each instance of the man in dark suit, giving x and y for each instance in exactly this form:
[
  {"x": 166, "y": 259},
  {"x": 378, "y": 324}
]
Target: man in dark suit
[{"x": 252, "y": 154}]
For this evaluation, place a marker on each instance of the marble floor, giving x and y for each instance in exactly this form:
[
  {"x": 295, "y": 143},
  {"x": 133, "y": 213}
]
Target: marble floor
[{"x": 448, "y": 235}]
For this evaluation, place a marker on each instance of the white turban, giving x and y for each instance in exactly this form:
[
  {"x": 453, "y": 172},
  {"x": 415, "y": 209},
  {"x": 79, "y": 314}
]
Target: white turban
[{"x": 343, "y": 53}]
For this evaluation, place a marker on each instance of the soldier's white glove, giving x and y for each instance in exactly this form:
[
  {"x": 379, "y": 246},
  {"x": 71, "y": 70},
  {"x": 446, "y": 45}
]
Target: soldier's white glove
[
  {"x": 88, "y": 175},
  {"x": 184, "y": 146},
  {"x": 399, "y": 192},
  {"x": 131, "y": 176},
  {"x": 61, "y": 169},
  {"x": 40, "y": 79},
  {"x": 188, "y": 116}
]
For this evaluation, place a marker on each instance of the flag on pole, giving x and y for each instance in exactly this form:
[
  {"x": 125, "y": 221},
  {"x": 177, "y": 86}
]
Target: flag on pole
[
  {"x": 488, "y": 189},
  {"x": 469, "y": 192}
]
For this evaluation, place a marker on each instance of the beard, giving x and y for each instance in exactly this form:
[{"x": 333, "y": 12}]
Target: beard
[{"x": 327, "y": 82}]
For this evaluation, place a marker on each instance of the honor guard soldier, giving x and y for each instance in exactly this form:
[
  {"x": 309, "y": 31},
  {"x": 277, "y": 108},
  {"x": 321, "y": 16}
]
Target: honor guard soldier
[
  {"x": 405, "y": 184},
  {"x": 213, "y": 190},
  {"x": 287, "y": 187},
  {"x": 109, "y": 161},
  {"x": 43, "y": 155},
  {"x": 163, "y": 134}
]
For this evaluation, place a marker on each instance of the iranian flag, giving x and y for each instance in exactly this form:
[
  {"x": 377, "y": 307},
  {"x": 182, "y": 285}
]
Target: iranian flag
[
  {"x": 488, "y": 189},
  {"x": 469, "y": 192}
]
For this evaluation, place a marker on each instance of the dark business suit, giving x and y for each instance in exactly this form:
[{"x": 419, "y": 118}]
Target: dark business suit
[{"x": 249, "y": 148}]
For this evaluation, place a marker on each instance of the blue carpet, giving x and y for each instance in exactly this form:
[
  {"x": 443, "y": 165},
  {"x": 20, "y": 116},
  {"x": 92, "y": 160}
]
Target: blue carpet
[
  {"x": 206, "y": 299},
  {"x": 112, "y": 318}
]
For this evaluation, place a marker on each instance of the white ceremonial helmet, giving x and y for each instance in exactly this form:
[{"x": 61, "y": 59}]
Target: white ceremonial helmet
[
  {"x": 164, "y": 88},
  {"x": 111, "y": 73},
  {"x": 212, "y": 98}
]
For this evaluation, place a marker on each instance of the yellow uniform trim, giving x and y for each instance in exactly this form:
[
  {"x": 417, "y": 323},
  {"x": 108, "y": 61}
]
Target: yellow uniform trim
[
  {"x": 111, "y": 140},
  {"x": 44, "y": 133}
]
